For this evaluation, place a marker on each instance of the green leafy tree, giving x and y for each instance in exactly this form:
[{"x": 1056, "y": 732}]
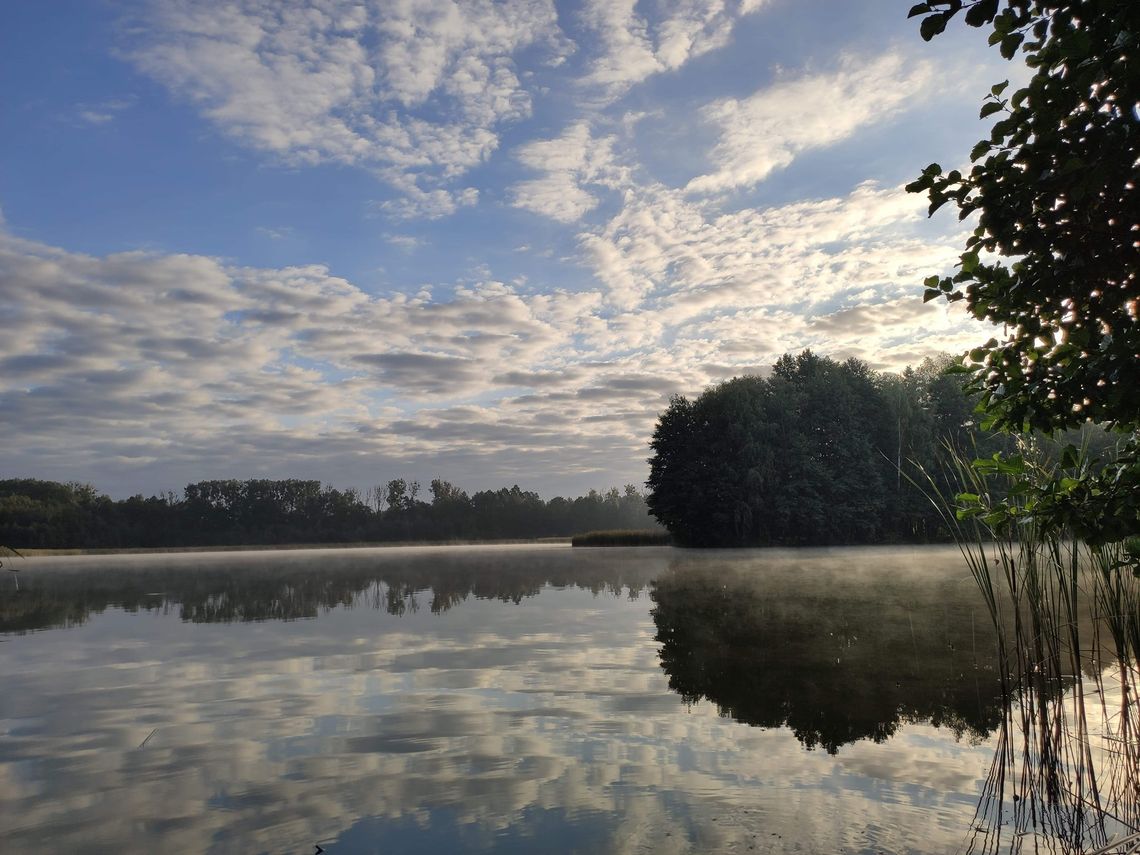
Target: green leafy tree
[
  {"x": 1055, "y": 255},
  {"x": 795, "y": 458}
]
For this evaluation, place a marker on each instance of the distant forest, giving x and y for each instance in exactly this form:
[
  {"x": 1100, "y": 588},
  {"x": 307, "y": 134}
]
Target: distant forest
[{"x": 47, "y": 514}]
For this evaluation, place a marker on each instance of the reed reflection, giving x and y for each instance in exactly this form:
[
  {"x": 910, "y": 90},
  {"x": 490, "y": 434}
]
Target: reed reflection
[{"x": 1066, "y": 771}]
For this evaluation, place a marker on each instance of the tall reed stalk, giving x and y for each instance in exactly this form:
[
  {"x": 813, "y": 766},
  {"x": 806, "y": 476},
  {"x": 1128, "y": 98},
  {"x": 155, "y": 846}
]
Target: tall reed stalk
[{"x": 1066, "y": 771}]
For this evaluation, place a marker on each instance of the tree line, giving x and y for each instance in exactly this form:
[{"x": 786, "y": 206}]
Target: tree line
[
  {"x": 818, "y": 452},
  {"x": 48, "y": 514}
]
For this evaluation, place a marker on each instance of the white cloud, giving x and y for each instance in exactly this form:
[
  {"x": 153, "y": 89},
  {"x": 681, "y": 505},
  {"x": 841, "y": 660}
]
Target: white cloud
[
  {"x": 404, "y": 242},
  {"x": 413, "y": 89},
  {"x": 177, "y": 360},
  {"x": 426, "y": 204},
  {"x": 102, "y": 112},
  {"x": 663, "y": 244},
  {"x": 567, "y": 162},
  {"x": 766, "y": 131},
  {"x": 136, "y": 359},
  {"x": 635, "y": 42},
  {"x": 275, "y": 233},
  {"x": 740, "y": 288}
]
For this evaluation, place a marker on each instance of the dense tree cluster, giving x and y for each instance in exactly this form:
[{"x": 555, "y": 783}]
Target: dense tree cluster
[
  {"x": 36, "y": 513},
  {"x": 819, "y": 452}
]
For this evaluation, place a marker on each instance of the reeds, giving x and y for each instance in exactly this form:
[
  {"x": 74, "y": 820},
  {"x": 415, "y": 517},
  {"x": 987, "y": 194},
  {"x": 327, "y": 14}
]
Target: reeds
[
  {"x": 623, "y": 537},
  {"x": 1066, "y": 771}
]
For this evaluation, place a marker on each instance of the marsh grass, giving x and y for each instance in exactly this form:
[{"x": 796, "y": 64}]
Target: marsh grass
[
  {"x": 623, "y": 537},
  {"x": 1066, "y": 771}
]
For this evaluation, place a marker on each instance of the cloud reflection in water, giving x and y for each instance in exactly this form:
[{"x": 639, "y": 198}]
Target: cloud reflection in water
[{"x": 476, "y": 700}]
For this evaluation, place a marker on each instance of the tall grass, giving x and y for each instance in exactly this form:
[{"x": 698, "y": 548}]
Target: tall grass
[
  {"x": 623, "y": 537},
  {"x": 1066, "y": 771}
]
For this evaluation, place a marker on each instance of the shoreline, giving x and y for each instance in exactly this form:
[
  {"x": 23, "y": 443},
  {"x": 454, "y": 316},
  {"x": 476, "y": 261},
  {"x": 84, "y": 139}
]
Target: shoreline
[{"x": 48, "y": 552}]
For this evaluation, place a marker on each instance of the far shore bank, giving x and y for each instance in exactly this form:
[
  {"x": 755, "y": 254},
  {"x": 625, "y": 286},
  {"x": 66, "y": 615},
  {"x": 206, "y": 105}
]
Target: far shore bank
[{"x": 279, "y": 547}]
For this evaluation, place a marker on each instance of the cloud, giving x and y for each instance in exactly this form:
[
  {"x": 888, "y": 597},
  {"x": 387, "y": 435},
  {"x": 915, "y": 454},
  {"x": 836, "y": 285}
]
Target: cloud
[
  {"x": 179, "y": 363},
  {"x": 634, "y": 44},
  {"x": 687, "y": 257},
  {"x": 279, "y": 233},
  {"x": 535, "y": 379},
  {"x": 408, "y": 243},
  {"x": 766, "y": 131},
  {"x": 103, "y": 112},
  {"x": 423, "y": 372},
  {"x": 568, "y": 162},
  {"x": 182, "y": 363},
  {"x": 414, "y": 90},
  {"x": 425, "y": 204}
]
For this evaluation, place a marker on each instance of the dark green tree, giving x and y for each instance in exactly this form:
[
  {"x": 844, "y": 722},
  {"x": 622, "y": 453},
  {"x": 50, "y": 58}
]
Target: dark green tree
[
  {"x": 1055, "y": 254},
  {"x": 795, "y": 458}
]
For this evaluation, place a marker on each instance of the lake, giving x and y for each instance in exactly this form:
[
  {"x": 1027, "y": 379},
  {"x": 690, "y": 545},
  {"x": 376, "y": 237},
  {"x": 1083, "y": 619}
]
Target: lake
[{"x": 497, "y": 699}]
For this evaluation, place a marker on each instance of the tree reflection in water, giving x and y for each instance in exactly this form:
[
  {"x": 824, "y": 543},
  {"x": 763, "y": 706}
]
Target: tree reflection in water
[
  {"x": 835, "y": 657},
  {"x": 838, "y": 658},
  {"x": 255, "y": 586}
]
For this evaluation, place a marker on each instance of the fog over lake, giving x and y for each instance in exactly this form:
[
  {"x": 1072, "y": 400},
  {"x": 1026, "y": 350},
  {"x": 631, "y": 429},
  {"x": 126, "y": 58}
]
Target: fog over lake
[{"x": 495, "y": 699}]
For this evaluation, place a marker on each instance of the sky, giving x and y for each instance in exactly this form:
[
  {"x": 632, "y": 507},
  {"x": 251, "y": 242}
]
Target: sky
[{"x": 482, "y": 241}]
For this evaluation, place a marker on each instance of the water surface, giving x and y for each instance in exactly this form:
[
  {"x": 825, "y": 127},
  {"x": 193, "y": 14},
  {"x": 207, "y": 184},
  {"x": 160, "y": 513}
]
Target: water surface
[{"x": 513, "y": 699}]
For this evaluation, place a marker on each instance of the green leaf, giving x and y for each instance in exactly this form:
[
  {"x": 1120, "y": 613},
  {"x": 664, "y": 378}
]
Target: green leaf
[
  {"x": 981, "y": 13},
  {"x": 918, "y": 9},
  {"x": 931, "y": 26},
  {"x": 995, "y": 518},
  {"x": 930, "y": 294},
  {"x": 1009, "y": 44},
  {"x": 998, "y": 88},
  {"x": 979, "y": 150},
  {"x": 988, "y": 109}
]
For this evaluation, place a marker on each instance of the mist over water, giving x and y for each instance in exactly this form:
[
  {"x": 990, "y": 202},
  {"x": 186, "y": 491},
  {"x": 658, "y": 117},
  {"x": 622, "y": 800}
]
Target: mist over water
[{"x": 505, "y": 699}]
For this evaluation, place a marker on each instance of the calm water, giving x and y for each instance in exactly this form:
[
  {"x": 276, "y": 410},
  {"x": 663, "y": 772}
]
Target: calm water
[{"x": 514, "y": 699}]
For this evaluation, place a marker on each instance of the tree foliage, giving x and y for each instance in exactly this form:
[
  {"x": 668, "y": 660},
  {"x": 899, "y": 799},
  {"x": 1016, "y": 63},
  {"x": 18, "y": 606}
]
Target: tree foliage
[
  {"x": 812, "y": 454},
  {"x": 1056, "y": 251},
  {"x": 36, "y": 513}
]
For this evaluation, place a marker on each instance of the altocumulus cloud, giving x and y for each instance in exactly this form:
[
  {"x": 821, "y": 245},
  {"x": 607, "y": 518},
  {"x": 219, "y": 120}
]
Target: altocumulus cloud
[
  {"x": 638, "y": 274},
  {"x": 415, "y": 91},
  {"x": 185, "y": 356}
]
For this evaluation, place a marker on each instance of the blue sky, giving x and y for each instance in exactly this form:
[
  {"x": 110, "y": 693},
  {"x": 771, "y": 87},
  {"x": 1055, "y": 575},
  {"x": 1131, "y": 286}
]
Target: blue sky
[{"x": 481, "y": 240}]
